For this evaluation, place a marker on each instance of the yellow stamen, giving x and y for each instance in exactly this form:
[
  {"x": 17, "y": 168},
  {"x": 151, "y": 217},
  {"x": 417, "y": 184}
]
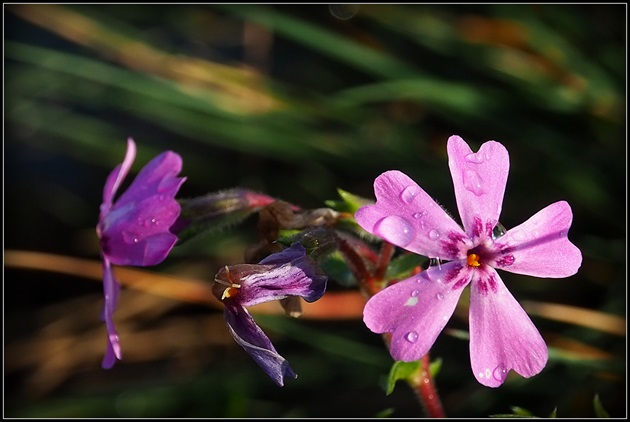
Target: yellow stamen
[
  {"x": 473, "y": 260},
  {"x": 232, "y": 288},
  {"x": 230, "y": 291}
]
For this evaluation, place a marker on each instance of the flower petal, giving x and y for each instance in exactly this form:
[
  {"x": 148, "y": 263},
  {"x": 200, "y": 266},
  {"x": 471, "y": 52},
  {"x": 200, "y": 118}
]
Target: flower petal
[
  {"x": 138, "y": 233},
  {"x": 158, "y": 177},
  {"x": 502, "y": 337},
  {"x": 110, "y": 289},
  {"x": 479, "y": 180},
  {"x": 299, "y": 275},
  {"x": 252, "y": 338},
  {"x": 406, "y": 216},
  {"x": 540, "y": 246},
  {"x": 117, "y": 176},
  {"x": 416, "y": 310}
]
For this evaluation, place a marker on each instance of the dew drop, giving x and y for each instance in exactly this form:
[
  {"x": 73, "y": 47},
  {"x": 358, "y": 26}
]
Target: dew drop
[
  {"x": 439, "y": 296},
  {"x": 396, "y": 230},
  {"x": 435, "y": 262},
  {"x": 420, "y": 214},
  {"x": 412, "y": 301},
  {"x": 155, "y": 221},
  {"x": 498, "y": 231},
  {"x": 474, "y": 157},
  {"x": 414, "y": 293},
  {"x": 473, "y": 182},
  {"x": 409, "y": 193},
  {"x": 434, "y": 235},
  {"x": 411, "y": 336},
  {"x": 129, "y": 238},
  {"x": 499, "y": 373}
]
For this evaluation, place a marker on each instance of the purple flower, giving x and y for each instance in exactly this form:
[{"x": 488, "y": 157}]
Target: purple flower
[
  {"x": 415, "y": 310},
  {"x": 134, "y": 230},
  {"x": 289, "y": 273}
]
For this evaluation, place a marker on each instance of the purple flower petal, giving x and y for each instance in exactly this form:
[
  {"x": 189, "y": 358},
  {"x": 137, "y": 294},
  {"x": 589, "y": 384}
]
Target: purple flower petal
[
  {"x": 110, "y": 290},
  {"x": 417, "y": 309},
  {"x": 249, "y": 335},
  {"x": 540, "y": 246},
  {"x": 158, "y": 177},
  {"x": 138, "y": 234},
  {"x": 479, "y": 180},
  {"x": 116, "y": 177},
  {"x": 502, "y": 337},
  {"x": 299, "y": 276},
  {"x": 406, "y": 216},
  {"x": 135, "y": 229}
]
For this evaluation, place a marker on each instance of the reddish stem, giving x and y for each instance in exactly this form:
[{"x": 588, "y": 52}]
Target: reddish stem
[{"x": 422, "y": 384}]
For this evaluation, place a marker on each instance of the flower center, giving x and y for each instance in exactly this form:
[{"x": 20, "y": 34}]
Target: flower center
[
  {"x": 231, "y": 289},
  {"x": 473, "y": 260}
]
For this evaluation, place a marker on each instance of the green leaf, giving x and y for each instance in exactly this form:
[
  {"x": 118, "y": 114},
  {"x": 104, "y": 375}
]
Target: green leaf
[
  {"x": 435, "y": 366},
  {"x": 401, "y": 266},
  {"x": 385, "y": 413},
  {"x": 600, "y": 412},
  {"x": 336, "y": 268},
  {"x": 554, "y": 414},
  {"x": 520, "y": 411},
  {"x": 349, "y": 203},
  {"x": 401, "y": 371}
]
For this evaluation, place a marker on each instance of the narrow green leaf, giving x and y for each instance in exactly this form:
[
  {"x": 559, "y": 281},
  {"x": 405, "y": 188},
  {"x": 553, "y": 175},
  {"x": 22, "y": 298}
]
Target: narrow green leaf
[
  {"x": 600, "y": 412},
  {"x": 401, "y": 371}
]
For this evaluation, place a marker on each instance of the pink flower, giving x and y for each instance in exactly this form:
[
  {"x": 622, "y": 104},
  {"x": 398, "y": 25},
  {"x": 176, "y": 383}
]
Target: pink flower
[
  {"x": 134, "y": 230},
  {"x": 415, "y": 310}
]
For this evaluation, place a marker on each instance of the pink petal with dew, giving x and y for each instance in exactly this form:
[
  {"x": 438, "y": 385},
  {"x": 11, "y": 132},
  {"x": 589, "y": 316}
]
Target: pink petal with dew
[
  {"x": 415, "y": 310},
  {"x": 116, "y": 177},
  {"x": 502, "y": 337},
  {"x": 406, "y": 216},
  {"x": 479, "y": 179},
  {"x": 540, "y": 245}
]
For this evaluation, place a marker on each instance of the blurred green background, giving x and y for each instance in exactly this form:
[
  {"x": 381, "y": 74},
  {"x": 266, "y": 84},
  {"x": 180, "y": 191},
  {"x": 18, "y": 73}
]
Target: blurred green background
[{"x": 297, "y": 101}]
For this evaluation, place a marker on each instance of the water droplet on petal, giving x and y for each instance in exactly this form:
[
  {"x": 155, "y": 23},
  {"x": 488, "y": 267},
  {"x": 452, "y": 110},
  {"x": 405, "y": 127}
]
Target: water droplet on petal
[
  {"x": 396, "y": 230},
  {"x": 414, "y": 293},
  {"x": 411, "y": 336},
  {"x": 475, "y": 158},
  {"x": 420, "y": 214},
  {"x": 155, "y": 221},
  {"x": 499, "y": 373},
  {"x": 434, "y": 235},
  {"x": 439, "y": 296},
  {"x": 412, "y": 301},
  {"x": 129, "y": 238},
  {"x": 473, "y": 182},
  {"x": 409, "y": 193},
  {"x": 498, "y": 231}
]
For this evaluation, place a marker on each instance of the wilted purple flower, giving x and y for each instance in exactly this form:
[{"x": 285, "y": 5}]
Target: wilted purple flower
[
  {"x": 288, "y": 273},
  {"x": 134, "y": 230},
  {"x": 415, "y": 310}
]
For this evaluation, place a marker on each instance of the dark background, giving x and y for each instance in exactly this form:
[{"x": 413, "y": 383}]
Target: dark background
[{"x": 297, "y": 101}]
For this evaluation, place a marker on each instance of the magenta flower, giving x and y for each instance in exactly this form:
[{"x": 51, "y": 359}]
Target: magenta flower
[
  {"x": 289, "y": 273},
  {"x": 134, "y": 230},
  {"x": 415, "y": 310}
]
